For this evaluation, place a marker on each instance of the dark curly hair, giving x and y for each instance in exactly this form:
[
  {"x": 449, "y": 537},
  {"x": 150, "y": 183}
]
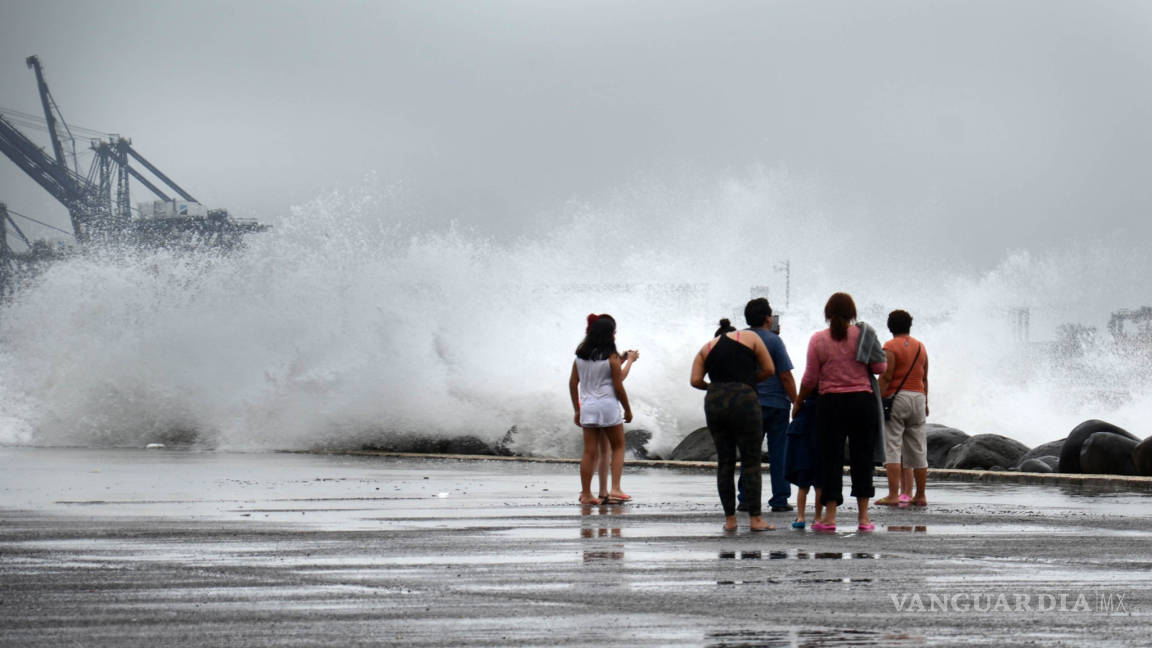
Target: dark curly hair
[{"x": 899, "y": 322}]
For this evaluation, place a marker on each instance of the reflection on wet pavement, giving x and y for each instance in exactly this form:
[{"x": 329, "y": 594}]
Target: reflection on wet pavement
[
  {"x": 797, "y": 555},
  {"x": 603, "y": 525},
  {"x": 602, "y": 532},
  {"x": 589, "y": 556}
]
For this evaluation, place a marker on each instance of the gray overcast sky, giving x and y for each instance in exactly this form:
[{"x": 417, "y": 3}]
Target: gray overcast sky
[{"x": 990, "y": 125}]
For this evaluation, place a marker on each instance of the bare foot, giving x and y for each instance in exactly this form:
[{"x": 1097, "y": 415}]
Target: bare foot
[
  {"x": 586, "y": 499},
  {"x": 758, "y": 524},
  {"x": 920, "y": 501},
  {"x": 729, "y": 522}
]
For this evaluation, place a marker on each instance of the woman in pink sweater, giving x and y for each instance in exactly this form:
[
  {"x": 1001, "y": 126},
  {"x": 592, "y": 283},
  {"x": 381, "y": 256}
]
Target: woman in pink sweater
[{"x": 846, "y": 409}]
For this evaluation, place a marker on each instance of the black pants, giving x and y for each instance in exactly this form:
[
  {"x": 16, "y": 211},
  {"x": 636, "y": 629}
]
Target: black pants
[
  {"x": 732, "y": 411},
  {"x": 851, "y": 416}
]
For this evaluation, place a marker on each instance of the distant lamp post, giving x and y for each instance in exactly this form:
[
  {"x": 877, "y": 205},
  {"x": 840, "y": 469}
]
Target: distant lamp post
[{"x": 786, "y": 266}]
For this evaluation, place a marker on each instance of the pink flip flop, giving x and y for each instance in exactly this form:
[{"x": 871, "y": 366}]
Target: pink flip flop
[
  {"x": 820, "y": 526},
  {"x": 867, "y": 527}
]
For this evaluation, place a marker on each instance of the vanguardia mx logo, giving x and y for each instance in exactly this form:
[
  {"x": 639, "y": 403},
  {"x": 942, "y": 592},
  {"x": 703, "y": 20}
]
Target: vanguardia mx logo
[{"x": 992, "y": 602}]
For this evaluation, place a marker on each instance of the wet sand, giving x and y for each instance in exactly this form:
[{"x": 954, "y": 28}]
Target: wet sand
[{"x": 171, "y": 548}]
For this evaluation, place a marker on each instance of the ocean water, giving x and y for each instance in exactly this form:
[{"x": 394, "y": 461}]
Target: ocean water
[{"x": 349, "y": 323}]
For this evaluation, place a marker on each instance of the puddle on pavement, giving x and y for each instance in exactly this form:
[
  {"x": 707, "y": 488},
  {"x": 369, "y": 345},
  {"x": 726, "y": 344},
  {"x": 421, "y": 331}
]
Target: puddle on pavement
[
  {"x": 797, "y": 555},
  {"x": 1013, "y": 529},
  {"x": 592, "y": 556},
  {"x": 636, "y": 528},
  {"x": 711, "y": 584},
  {"x": 602, "y": 532},
  {"x": 1051, "y": 499},
  {"x": 896, "y": 528},
  {"x": 1031, "y": 572},
  {"x": 808, "y": 638},
  {"x": 515, "y": 587},
  {"x": 806, "y": 581}
]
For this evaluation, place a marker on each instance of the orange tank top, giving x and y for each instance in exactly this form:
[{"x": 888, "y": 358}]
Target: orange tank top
[{"x": 903, "y": 348}]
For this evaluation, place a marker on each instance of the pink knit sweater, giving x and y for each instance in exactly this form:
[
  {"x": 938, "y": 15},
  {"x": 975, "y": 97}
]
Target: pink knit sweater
[{"x": 831, "y": 365}]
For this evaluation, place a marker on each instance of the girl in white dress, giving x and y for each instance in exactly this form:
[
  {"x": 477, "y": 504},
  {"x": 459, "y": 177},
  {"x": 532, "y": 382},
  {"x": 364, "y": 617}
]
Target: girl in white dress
[{"x": 597, "y": 389}]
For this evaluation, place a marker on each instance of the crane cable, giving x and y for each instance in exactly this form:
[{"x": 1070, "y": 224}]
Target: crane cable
[
  {"x": 40, "y": 122},
  {"x": 39, "y": 222}
]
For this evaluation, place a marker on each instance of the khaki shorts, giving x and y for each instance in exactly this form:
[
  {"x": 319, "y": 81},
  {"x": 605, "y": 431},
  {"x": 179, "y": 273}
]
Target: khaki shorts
[{"x": 904, "y": 434}]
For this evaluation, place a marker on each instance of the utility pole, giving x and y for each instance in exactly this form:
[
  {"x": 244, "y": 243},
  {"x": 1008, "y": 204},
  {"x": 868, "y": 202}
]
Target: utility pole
[
  {"x": 786, "y": 266},
  {"x": 5, "y": 251}
]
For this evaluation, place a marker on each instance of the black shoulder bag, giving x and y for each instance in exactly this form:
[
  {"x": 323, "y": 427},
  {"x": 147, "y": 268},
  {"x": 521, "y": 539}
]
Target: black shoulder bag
[{"x": 887, "y": 402}]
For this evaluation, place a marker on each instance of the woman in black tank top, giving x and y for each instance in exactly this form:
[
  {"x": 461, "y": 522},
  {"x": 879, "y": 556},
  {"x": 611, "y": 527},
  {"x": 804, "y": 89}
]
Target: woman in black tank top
[
  {"x": 731, "y": 362},
  {"x": 734, "y": 363}
]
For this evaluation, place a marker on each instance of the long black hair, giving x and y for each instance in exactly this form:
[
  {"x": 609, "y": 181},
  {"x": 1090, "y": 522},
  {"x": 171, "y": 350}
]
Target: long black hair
[
  {"x": 600, "y": 341},
  {"x": 839, "y": 311}
]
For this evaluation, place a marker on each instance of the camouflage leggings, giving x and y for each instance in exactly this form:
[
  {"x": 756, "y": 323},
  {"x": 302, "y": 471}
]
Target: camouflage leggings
[{"x": 732, "y": 411}]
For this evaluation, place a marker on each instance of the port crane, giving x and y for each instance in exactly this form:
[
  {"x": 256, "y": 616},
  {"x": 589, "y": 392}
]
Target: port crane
[{"x": 99, "y": 202}]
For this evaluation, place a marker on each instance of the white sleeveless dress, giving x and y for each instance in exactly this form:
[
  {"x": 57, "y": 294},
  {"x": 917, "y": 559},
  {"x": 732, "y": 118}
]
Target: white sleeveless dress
[{"x": 599, "y": 406}]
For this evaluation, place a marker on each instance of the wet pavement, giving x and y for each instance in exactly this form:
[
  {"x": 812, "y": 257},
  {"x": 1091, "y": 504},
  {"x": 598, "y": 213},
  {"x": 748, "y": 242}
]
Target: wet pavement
[{"x": 176, "y": 548}]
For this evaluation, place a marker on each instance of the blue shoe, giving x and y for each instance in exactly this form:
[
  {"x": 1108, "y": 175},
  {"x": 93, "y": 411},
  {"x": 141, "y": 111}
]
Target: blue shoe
[{"x": 797, "y": 524}]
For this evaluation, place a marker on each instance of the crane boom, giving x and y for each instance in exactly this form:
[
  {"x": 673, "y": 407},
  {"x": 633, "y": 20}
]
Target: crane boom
[
  {"x": 50, "y": 117},
  {"x": 168, "y": 181},
  {"x": 55, "y": 178}
]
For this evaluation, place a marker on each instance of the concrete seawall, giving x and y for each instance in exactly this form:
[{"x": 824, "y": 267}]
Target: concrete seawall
[{"x": 1095, "y": 482}]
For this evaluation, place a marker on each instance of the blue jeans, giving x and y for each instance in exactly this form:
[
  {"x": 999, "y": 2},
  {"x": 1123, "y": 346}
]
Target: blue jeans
[{"x": 775, "y": 430}]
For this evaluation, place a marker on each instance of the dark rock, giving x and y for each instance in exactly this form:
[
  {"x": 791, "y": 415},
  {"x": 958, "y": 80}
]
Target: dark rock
[
  {"x": 1045, "y": 464},
  {"x": 636, "y": 441},
  {"x": 1052, "y": 448},
  {"x": 504, "y": 447},
  {"x": 697, "y": 446},
  {"x": 1142, "y": 458},
  {"x": 467, "y": 444},
  {"x": 1105, "y": 453},
  {"x": 1070, "y": 453},
  {"x": 984, "y": 451},
  {"x": 941, "y": 439},
  {"x": 177, "y": 437}
]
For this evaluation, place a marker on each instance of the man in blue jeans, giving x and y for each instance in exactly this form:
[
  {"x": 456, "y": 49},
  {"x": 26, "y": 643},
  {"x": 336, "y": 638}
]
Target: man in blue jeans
[{"x": 776, "y": 397}]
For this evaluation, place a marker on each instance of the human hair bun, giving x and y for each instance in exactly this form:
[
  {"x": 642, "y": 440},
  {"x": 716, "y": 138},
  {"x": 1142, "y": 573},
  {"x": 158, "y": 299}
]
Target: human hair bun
[{"x": 725, "y": 322}]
